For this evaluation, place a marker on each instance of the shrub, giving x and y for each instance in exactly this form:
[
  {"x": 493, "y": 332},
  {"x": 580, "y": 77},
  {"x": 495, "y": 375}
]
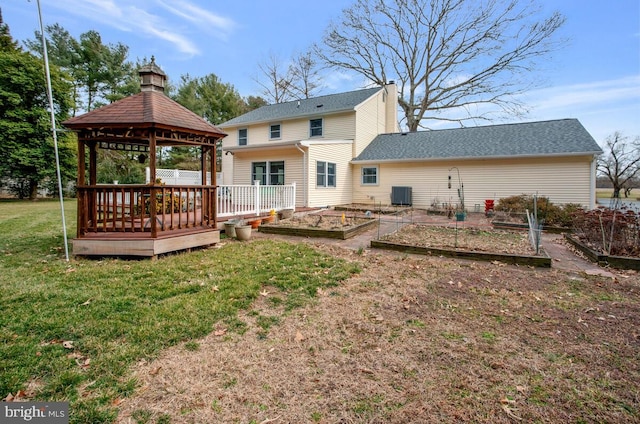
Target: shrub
[
  {"x": 548, "y": 213},
  {"x": 614, "y": 232}
]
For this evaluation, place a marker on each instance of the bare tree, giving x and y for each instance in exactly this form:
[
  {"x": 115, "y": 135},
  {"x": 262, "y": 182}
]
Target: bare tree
[
  {"x": 305, "y": 78},
  {"x": 620, "y": 162},
  {"x": 452, "y": 58},
  {"x": 277, "y": 87}
]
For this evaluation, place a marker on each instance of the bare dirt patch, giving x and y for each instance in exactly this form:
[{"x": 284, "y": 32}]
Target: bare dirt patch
[
  {"x": 473, "y": 239},
  {"x": 324, "y": 221},
  {"x": 414, "y": 339}
]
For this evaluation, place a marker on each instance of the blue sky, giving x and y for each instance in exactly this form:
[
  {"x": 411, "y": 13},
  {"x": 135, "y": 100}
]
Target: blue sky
[{"x": 594, "y": 78}]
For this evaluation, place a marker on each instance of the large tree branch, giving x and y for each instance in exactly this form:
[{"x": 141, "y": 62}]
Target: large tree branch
[{"x": 446, "y": 54}]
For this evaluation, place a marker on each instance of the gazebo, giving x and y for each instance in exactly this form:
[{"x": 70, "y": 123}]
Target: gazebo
[{"x": 152, "y": 218}]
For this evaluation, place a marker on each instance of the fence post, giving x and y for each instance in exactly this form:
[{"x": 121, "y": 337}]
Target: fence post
[
  {"x": 256, "y": 189},
  {"x": 293, "y": 195}
]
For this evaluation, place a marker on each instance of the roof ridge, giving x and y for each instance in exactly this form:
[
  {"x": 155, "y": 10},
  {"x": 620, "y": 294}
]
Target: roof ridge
[
  {"x": 502, "y": 124},
  {"x": 322, "y": 96}
]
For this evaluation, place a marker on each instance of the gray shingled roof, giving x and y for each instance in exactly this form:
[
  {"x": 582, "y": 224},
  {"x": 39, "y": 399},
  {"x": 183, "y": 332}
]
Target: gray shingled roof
[
  {"x": 559, "y": 137},
  {"x": 322, "y": 105}
]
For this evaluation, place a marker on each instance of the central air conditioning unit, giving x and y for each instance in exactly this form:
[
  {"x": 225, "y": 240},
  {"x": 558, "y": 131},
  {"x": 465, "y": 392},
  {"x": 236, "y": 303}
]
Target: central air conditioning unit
[{"x": 401, "y": 196}]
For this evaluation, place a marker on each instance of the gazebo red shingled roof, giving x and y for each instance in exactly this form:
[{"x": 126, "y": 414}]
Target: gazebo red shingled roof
[{"x": 142, "y": 110}]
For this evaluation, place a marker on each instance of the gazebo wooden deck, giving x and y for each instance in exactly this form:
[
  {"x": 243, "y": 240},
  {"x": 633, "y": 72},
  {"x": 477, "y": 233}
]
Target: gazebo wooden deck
[{"x": 144, "y": 219}]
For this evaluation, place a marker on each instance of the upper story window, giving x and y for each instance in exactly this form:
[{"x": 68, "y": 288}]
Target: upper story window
[
  {"x": 274, "y": 131},
  {"x": 315, "y": 127},
  {"x": 242, "y": 137},
  {"x": 369, "y": 175}
]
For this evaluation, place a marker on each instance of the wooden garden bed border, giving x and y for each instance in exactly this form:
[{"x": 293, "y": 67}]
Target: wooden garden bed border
[
  {"x": 317, "y": 232},
  {"x": 619, "y": 262},
  {"x": 518, "y": 226},
  {"x": 538, "y": 261}
]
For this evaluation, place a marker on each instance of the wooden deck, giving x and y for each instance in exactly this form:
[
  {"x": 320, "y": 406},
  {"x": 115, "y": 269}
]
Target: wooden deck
[{"x": 142, "y": 244}]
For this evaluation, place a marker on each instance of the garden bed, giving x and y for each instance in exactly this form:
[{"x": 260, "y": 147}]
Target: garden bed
[
  {"x": 379, "y": 209},
  {"x": 320, "y": 225},
  {"x": 468, "y": 243},
  {"x": 620, "y": 262}
]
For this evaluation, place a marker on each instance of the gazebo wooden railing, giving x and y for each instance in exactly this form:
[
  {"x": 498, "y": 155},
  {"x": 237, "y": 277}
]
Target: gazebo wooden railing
[{"x": 145, "y": 211}]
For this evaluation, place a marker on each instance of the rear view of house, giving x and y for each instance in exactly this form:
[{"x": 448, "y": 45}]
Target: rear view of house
[{"x": 346, "y": 148}]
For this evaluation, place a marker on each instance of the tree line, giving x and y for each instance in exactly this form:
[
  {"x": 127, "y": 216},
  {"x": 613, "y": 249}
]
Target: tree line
[
  {"x": 453, "y": 60},
  {"x": 86, "y": 74}
]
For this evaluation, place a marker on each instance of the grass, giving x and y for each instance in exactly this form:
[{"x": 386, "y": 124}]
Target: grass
[{"x": 114, "y": 313}]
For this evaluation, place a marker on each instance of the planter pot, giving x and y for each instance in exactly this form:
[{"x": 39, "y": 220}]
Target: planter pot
[
  {"x": 255, "y": 223},
  {"x": 230, "y": 229},
  {"x": 268, "y": 219},
  {"x": 285, "y": 214},
  {"x": 243, "y": 232}
]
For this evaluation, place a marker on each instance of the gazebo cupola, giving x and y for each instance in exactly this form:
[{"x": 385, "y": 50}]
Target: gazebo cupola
[{"x": 152, "y": 78}]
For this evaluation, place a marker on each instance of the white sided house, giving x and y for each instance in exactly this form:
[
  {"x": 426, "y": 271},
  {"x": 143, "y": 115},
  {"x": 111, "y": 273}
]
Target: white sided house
[
  {"x": 346, "y": 148},
  {"x": 310, "y": 142}
]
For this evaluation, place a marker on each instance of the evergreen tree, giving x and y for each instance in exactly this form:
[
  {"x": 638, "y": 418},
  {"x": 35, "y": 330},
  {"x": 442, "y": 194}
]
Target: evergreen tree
[
  {"x": 100, "y": 72},
  {"x": 27, "y": 147}
]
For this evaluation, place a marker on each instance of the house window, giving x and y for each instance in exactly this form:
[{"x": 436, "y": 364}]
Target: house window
[
  {"x": 369, "y": 175},
  {"x": 276, "y": 173},
  {"x": 271, "y": 173},
  {"x": 242, "y": 137},
  {"x": 274, "y": 131},
  {"x": 325, "y": 174},
  {"x": 315, "y": 127}
]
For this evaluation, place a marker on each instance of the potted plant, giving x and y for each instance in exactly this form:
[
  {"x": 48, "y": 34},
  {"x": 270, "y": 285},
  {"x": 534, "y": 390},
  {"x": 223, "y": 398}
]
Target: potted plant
[
  {"x": 230, "y": 227},
  {"x": 243, "y": 231}
]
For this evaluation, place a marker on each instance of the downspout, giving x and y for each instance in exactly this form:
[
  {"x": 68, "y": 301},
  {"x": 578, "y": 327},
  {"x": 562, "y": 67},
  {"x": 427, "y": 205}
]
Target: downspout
[
  {"x": 304, "y": 172},
  {"x": 592, "y": 183}
]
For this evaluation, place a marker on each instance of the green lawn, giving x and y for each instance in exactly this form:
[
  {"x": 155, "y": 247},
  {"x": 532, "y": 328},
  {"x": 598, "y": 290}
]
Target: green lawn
[{"x": 70, "y": 331}]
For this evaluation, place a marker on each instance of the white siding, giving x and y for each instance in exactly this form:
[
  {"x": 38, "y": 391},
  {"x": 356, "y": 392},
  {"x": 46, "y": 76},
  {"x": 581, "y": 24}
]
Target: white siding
[
  {"x": 563, "y": 180},
  {"x": 340, "y": 155},
  {"x": 369, "y": 122},
  {"x": 334, "y": 127},
  {"x": 293, "y": 167}
]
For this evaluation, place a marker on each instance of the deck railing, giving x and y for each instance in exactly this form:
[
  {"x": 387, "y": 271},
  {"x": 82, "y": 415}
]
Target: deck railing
[
  {"x": 124, "y": 208},
  {"x": 255, "y": 199},
  {"x": 144, "y": 209}
]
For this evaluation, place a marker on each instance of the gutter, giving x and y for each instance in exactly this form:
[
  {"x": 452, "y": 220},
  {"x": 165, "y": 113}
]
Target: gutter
[
  {"x": 285, "y": 144},
  {"x": 465, "y": 158}
]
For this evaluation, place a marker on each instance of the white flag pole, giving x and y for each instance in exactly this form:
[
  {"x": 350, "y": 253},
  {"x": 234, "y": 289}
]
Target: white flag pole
[{"x": 53, "y": 130}]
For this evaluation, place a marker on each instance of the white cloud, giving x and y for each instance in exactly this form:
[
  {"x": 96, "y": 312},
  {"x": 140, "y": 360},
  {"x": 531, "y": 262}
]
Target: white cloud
[
  {"x": 203, "y": 18},
  {"x": 602, "y": 106},
  {"x": 130, "y": 17},
  {"x": 592, "y": 94}
]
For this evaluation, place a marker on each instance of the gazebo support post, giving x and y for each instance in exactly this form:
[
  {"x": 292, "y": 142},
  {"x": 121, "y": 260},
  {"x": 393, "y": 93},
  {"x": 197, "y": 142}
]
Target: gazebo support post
[{"x": 152, "y": 182}]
